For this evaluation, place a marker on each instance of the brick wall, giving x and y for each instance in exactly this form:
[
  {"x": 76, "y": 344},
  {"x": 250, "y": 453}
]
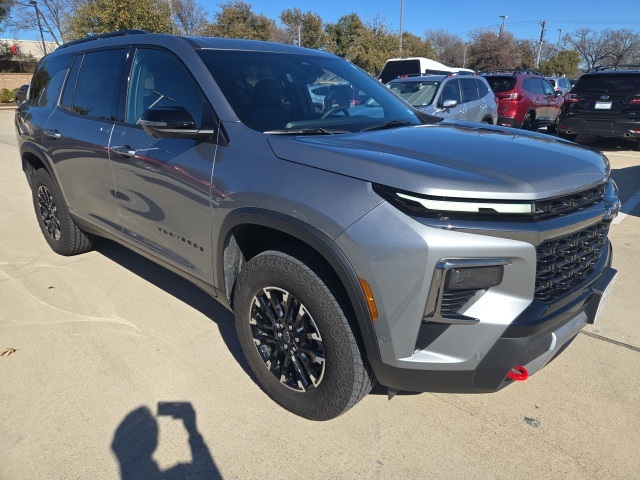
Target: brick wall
[{"x": 13, "y": 80}]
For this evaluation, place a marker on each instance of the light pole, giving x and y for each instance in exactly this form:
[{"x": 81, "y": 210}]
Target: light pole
[
  {"x": 35, "y": 4},
  {"x": 558, "y": 46},
  {"x": 464, "y": 56},
  {"x": 503, "y": 17},
  {"x": 401, "y": 14}
]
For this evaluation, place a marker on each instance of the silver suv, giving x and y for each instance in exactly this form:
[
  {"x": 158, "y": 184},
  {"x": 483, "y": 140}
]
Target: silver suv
[
  {"x": 463, "y": 97},
  {"x": 352, "y": 248}
]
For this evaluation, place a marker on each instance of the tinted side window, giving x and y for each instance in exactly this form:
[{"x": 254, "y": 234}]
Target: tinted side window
[
  {"x": 158, "y": 79},
  {"x": 47, "y": 81},
  {"x": 483, "y": 89},
  {"x": 527, "y": 84},
  {"x": 67, "y": 95},
  {"x": 469, "y": 90},
  {"x": 98, "y": 85},
  {"x": 450, "y": 91}
]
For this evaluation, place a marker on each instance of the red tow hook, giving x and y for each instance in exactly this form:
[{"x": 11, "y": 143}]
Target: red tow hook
[{"x": 518, "y": 373}]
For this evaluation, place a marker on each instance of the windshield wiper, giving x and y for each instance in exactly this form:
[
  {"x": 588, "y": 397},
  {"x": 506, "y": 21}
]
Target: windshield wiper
[
  {"x": 390, "y": 124},
  {"x": 304, "y": 131}
]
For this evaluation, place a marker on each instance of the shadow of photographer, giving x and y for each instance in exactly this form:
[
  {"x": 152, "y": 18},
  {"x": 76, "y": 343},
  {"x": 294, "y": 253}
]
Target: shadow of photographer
[{"x": 136, "y": 438}]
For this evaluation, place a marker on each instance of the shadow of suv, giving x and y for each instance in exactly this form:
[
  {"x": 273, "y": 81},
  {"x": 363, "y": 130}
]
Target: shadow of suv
[
  {"x": 604, "y": 103},
  {"x": 354, "y": 244},
  {"x": 525, "y": 100}
]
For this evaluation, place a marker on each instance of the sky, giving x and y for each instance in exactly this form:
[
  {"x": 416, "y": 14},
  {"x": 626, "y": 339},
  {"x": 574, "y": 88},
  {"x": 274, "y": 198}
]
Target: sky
[{"x": 460, "y": 17}]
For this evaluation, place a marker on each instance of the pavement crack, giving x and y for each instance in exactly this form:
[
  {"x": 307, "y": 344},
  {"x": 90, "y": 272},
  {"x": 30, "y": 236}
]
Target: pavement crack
[{"x": 609, "y": 340}]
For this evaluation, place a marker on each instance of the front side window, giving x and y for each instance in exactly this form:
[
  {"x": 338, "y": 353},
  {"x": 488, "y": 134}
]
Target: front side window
[
  {"x": 97, "y": 88},
  {"x": 270, "y": 91},
  {"x": 158, "y": 79},
  {"x": 450, "y": 91}
]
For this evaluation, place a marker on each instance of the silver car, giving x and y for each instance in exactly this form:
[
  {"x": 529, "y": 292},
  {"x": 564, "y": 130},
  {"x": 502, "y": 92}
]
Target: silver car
[
  {"x": 559, "y": 84},
  {"x": 463, "y": 97}
]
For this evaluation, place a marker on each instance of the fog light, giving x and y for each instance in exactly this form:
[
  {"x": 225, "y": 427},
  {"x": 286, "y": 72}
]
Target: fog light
[{"x": 474, "y": 277}]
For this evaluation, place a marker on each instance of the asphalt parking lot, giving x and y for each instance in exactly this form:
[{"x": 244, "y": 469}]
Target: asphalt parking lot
[{"x": 123, "y": 370}]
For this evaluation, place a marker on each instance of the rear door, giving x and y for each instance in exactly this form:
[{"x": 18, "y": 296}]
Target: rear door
[
  {"x": 78, "y": 131},
  {"x": 474, "y": 105},
  {"x": 163, "y": 185}
]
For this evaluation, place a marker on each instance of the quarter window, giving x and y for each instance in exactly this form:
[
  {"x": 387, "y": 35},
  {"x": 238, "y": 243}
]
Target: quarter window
[{"x": 47, "y": 81}]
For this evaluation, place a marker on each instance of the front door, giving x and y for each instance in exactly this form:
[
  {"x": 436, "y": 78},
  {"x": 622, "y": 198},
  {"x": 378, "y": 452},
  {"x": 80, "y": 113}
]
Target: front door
[{"x": 163, "y": 185}]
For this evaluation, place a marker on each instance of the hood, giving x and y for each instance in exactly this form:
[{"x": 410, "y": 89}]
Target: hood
[{"x": 453, "y": 159}]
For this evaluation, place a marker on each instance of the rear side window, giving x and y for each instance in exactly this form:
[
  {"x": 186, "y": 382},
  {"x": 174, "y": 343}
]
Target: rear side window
[
  {"x": 501, "y": 84},
  {"x": 469, "y": 90},
  {"x": 482, "y": 87},
  {"x": 47, "y": 81},
  {"x": 609, "y": 83},
  {"x": 97, "y": 88}
]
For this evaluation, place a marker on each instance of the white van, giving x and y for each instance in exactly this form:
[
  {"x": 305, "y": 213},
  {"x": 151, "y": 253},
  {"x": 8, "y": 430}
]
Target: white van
[{"x": 395, "y": 67}]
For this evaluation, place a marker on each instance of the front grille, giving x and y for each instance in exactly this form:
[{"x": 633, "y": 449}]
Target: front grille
[
  {"x": 565, "y": 263},
  {"x": 453, "y": 301},
  {"x": 552, "y": 207}
]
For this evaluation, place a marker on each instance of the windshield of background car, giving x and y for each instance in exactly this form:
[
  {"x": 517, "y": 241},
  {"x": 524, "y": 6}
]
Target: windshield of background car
[
  {"x": 417, "y": 94},
  {"x": 271, "y": 91},
  {"x": 501, "y": 84},
  {"x": 609, "y": 83}
]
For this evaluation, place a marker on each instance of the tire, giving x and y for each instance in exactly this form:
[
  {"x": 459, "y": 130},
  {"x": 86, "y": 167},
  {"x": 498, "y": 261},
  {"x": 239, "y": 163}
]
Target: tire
[
  {"x": 307, "y": 359},
  {"x": 59, "y": 230},
  {"x": 527, "y": 123},
  {"x": 567, "y": 136},
  {"x": 553, "y": 128}
]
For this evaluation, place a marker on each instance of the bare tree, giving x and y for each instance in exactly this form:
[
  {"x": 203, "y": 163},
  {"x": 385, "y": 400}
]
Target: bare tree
[
  {"x": 54, "y": 15},
  {"x": 189, "y": 17},
  {"x": 449, "y": 49},
  {"x": 492, "y": 52},
  {"x": 591, "y": 45},
  {"x": 623, "y": 46}
]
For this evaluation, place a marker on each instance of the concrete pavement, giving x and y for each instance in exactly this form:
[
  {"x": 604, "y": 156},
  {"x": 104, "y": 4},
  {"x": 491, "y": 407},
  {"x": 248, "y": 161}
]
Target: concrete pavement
[{"x": 102, "y": 338}]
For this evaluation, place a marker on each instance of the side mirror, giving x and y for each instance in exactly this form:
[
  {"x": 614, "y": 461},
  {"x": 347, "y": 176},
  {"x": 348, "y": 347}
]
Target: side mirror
[
  {"x": 558, "y": 93},
  {"x": 172, "y": 122},
  {"x": 447, "y": 104}
]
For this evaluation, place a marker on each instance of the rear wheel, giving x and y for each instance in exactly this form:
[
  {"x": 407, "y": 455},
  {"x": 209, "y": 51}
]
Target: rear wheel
[
  {"x": 59, "y": 230},
  {"x": 527, "y": 123},
  {"x": 553, "y": 128},
  {"x": 296, "y": 335}
]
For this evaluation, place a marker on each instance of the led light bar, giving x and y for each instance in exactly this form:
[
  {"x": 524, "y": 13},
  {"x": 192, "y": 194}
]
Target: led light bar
[{"x": 524, "y": 208}]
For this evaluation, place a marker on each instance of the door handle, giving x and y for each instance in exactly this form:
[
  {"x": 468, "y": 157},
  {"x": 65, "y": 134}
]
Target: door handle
[
  {"x": 53, "y": 134},
  {"x": 124, "y": 150}
]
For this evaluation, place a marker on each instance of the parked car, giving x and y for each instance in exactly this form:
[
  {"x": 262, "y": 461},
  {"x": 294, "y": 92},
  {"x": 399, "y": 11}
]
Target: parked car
[
  {"x": 525, "y": 100},
  {"x": 422, "y": 254},
  {"x": 604, "y": 103},
  {"x": 559, "y": 84},
  {"x": 21, "y": 94},
  {"x": 463, "y": 97}
]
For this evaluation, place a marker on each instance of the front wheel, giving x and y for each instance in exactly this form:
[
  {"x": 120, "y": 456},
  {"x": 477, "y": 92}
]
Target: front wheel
[{"x": 296, "y": 335}]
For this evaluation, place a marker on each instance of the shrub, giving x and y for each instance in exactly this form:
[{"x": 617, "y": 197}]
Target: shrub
[{"x": 7, "y": 95}]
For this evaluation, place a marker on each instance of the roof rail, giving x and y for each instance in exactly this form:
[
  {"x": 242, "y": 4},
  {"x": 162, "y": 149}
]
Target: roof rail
[
  {"x": 119, "y": 33},
  {"x": 601, "y": 68},
  {"x": 517, "y": 71}
]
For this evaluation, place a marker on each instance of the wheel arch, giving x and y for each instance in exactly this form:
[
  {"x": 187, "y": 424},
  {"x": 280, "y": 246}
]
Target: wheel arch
[
  {"x": 33, "y": 158},
  {"x": 247, "y": 232}
]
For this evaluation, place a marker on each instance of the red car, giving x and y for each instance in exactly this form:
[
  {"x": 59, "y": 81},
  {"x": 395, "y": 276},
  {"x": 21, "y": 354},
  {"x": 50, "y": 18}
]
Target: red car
[{"x": 525, "y": 100}]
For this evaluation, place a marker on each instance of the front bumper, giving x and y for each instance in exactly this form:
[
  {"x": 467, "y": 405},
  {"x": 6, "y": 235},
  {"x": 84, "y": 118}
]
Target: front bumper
[
  {"x": 618, "y": 128},
  {"x": 528, "y": 342}
]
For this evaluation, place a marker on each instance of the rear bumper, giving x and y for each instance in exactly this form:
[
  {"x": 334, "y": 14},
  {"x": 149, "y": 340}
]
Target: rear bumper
[
  {"x": 532, "y": 340},
  {"x": 509, "y": 122},
  {"x": 600, "y": 127}
]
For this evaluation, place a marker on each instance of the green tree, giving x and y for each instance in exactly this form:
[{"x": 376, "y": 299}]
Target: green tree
[
  {"x": 414, "y": 46},
  {"x": 236, "y": 20},
  {"x": 565, "y": 63},
  {"x": 345, "y": 35},
  {"x": 311, "y": 26},
  {"x": 102, "y": 16}
]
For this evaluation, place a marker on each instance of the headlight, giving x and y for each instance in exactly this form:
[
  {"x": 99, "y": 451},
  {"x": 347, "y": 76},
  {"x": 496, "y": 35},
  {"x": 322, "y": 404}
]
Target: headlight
[{"x": 444, "y": 207}]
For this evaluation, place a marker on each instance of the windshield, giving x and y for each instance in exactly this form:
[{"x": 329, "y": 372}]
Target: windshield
[
  {"x": 300, "y": 93},
  {"x": 417, "y": 94}
]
